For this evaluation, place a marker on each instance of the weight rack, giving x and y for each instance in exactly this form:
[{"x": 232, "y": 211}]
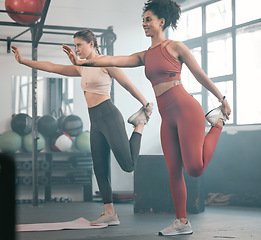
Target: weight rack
[{"x": 37, "y": 29}]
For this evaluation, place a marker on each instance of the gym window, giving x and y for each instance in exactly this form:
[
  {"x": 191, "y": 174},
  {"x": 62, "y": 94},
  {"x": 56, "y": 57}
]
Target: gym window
[
  {"x": 224, "y": 36},
  {"x": 54, "y": 95}
]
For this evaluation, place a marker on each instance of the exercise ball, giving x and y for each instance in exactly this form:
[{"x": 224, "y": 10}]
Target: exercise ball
[
  {"x": 21, "y": 123},
  {"x": 82, "y": 142},
  {"x": 47, "y": 125},
  {"x": 10, "y": 141},
  {"x": 62, "y": 142},
  {"x": 35, "y": 6},
  {"x": 73, "y": 125},
  {"x": 28, "y": 142}
]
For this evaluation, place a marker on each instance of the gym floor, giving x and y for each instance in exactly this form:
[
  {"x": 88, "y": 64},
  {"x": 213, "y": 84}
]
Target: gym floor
[{"x": 219, "y": 222}]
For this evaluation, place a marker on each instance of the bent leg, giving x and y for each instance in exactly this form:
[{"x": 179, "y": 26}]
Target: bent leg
[
  {"x": 196, "y": 148},
  {"x": 125, "y": 151},
  {"x": 210, "y": 143}
]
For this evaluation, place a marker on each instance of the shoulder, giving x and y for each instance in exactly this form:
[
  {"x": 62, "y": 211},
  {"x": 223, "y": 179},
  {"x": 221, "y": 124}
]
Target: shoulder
[
  {"x": 139, "y": 53},
  {"x": 177, "y": 45},
  {"x": 105, "y": 70},
  {"x": 111, "y": 71},
  {"x": 140, "y": 56},
  {"x": 179, "y": 49}
]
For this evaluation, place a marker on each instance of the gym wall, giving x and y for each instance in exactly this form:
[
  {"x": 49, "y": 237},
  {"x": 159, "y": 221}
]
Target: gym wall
[{"x": 235, "y": 168}]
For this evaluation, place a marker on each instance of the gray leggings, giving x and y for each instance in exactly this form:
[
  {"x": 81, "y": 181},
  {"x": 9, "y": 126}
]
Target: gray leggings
[{"x": 108, "y": 132}]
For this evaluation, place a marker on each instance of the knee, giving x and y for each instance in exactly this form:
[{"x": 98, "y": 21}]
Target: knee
[
  {"x": 127, "y": 167},
  {"x": 128, "y": 170},
  {"x": 194, "y": 171}
]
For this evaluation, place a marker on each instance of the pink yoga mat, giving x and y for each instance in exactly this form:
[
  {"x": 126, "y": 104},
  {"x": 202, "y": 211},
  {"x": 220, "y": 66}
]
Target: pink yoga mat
[{"x": 80, "y": 223}]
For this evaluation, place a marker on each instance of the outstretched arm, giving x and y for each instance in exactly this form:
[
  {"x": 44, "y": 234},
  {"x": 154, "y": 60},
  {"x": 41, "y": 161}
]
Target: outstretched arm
[
  {"x": 133, "y": 60},
  {"x": 186, "y": 57},
  {"x": 67, "y": 70},
  {"x": 124, "y": 81}
]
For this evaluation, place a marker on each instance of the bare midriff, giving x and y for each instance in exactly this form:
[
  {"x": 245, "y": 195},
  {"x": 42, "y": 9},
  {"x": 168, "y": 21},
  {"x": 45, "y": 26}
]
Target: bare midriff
[
  {"x": 163, "y": 87},
  {"x": 94, "y": 99}
]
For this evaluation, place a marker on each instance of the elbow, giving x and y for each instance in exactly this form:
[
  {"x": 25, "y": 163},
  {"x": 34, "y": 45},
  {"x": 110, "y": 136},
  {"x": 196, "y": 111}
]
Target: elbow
[{"x": 51, "y": 67}]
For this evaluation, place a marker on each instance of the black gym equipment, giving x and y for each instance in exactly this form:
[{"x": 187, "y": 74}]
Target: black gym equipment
[
  {"x": 47, "y": 125},
  {"x": 26, "y": 165},
  {"x": 59, "y": 122},
  {"x": 72, "y": 125},
  {"x": 21, "y": 123},
  {"x": 7, "y": 196},
  {"x": 107, "y": 38}
]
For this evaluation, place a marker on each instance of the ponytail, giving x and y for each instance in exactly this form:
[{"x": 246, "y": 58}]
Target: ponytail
[{"x": 167, "y": 9}]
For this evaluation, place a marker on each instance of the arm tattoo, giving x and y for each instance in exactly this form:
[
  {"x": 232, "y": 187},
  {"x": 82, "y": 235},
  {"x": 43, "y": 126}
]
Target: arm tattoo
[{"x": 90, "y": 63}]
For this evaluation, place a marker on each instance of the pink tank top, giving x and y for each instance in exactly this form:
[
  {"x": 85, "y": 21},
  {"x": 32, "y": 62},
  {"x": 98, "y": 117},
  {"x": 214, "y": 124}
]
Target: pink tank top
[
  {"x": 161, "y": 66},
  {"x": 94, "y": 80}
]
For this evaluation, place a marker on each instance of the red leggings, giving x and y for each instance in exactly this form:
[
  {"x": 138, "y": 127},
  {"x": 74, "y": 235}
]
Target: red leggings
[{"x": 183, "y": 141}]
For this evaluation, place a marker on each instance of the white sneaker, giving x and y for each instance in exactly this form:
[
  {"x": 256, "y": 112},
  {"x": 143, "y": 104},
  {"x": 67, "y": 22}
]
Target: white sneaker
[
  {"x": 140, "y": 116},
  {"x": 148, "y": 109},
  {"x": 106, "y": 219},
  {"x": 215, "y": 114},
  {"x": 177, "y": 228}
]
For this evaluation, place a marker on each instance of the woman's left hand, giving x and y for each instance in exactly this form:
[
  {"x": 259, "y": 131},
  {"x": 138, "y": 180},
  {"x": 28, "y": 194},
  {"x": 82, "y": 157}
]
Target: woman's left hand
[
  {"x": 70, "y": 53},
  {"x": 226, "y": 108}
]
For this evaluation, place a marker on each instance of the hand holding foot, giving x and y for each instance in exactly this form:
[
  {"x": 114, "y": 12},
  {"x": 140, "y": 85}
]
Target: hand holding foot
[
  {"x": 215, "y": 115},
  {"x": 142, "y": 115},
  {"x": 148, "y": 110},
  {"x": 226, "y": 108}
]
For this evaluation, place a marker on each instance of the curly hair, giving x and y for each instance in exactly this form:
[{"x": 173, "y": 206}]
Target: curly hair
[
  {"x": 167, "y": 9},
  {"x": 88, "y": 36}
]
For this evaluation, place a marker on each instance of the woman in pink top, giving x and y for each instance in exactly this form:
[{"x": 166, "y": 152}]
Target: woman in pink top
[
  {"x": 107, "y": 125},
  {"x": 183, "y": 137}
]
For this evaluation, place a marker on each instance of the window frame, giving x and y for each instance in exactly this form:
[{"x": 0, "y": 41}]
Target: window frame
[{"x": 202, "y": 42}]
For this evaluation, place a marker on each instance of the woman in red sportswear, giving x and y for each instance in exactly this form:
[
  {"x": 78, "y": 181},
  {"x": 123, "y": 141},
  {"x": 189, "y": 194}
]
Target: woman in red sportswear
[{"x": 183, "y": 137}]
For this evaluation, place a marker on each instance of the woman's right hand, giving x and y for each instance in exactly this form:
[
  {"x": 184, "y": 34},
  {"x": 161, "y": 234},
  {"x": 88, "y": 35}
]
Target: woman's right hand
[
  {"x": 71, "y": 55},
  {"x": 17, "y": 54}
]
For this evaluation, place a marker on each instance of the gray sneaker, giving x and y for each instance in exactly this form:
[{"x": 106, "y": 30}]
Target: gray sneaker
[
  {"x": 140, "y": 116},
  {"x": 106, "y": 219},
  {"x": 215, "y": 114},
  {"x": 177, "y": 228}
]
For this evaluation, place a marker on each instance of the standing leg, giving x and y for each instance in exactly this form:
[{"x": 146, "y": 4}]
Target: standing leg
[
  {"x": 101, "y": 164},
  {"x": 172, "y": 154}
]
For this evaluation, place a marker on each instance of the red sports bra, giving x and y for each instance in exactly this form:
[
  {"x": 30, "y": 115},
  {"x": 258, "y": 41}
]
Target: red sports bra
[{"x": 160, "y": 65}]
